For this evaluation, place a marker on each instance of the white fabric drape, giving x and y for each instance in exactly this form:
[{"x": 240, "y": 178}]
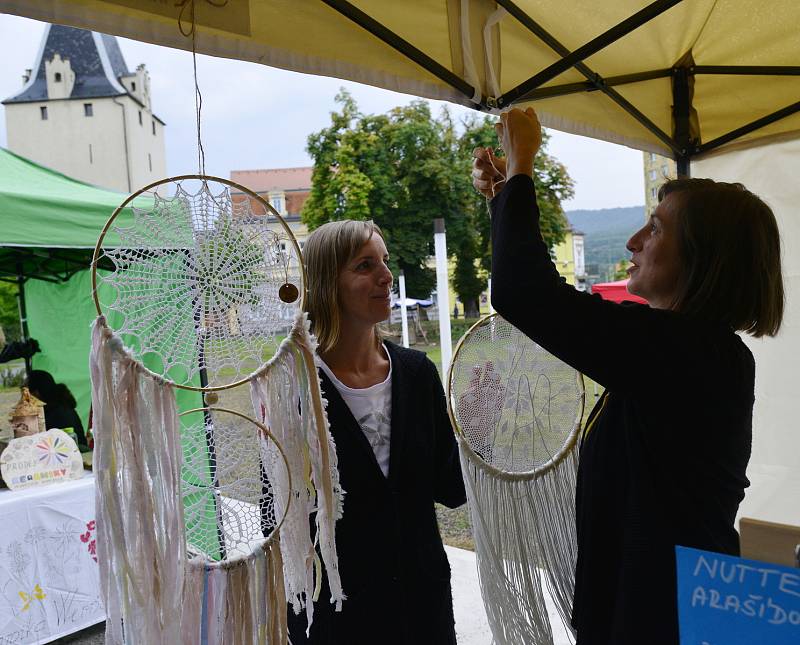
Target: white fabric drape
[
  {"x": 770, "y": 171},
  {"x": 155, "y": 590}
]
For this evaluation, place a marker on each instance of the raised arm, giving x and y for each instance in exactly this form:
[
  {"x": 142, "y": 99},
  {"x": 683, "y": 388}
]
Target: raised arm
[{"x": 599, "y": 338}]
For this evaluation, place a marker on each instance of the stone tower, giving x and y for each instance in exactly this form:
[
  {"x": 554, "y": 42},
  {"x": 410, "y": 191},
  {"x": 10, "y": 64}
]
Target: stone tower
[{"x": 82, "y": 113}]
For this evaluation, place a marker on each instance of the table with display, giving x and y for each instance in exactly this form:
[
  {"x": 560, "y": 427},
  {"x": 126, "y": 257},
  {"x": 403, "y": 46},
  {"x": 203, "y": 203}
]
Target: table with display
[{"x": 49, "y": 582}]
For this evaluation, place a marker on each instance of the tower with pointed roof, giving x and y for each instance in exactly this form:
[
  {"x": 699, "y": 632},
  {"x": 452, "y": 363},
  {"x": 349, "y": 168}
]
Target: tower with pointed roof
[{"x": 83, "y": 113}]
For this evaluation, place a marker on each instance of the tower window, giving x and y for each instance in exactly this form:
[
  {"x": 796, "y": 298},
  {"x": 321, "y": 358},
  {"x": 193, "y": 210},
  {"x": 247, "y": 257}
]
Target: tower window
[
  {"x": 58, "y": 77},
  {"x": 43, "y": 112},
  {"x": 133, "y": 86},
  {"x": 88, "y": 110},
  {"x": 140, "y": 117},
  {"x": 150, "y": 161},
  {"x": 91, "y": 157},
  {"x": 154, "y": 127}
]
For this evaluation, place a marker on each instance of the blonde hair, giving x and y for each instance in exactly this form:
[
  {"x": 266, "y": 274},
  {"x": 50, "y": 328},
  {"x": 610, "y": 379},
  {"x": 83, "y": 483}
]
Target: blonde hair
[{"x": 327, "y": 250}]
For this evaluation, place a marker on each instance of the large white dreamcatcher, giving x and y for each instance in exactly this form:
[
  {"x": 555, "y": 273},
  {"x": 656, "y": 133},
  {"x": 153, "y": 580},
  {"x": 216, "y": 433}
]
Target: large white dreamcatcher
[
  {"x": 204, "y": 520},
  {"x": 197, "y": 282},
  {"x": 517, "y": 412}
]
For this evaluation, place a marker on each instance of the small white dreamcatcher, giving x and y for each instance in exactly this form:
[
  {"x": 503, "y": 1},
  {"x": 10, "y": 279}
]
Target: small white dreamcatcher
[{"x": 517, "y": 412}]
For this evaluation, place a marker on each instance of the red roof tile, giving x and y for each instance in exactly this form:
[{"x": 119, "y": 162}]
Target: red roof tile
[{"x": 261, "y": 181}]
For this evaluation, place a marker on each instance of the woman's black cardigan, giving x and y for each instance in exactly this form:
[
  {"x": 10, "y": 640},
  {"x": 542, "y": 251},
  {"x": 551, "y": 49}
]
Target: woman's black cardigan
[
  {"x": 392, "y": 563},
  {"x": 665, "y": 462}
]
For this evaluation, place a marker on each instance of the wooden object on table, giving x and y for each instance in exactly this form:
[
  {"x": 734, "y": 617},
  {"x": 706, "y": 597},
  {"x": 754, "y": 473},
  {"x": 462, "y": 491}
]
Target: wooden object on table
[
  {"x": 769, "y": 541},
  {"x": 27, "y": 417}
]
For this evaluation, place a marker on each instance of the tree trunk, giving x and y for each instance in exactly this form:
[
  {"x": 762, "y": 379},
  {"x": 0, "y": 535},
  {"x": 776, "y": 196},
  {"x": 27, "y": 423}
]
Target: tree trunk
[{"x": 472, "y": 308}]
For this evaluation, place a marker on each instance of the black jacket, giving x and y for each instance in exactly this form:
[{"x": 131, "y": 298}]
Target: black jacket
[
  {"x": 392, "y": 563},
  {"x": 665, "y": 462}
]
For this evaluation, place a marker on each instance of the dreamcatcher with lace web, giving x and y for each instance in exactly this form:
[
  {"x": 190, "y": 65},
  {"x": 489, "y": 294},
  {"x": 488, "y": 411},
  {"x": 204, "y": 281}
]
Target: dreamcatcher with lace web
[
  {"x": 204, "y": 522},
  {"x": 517, "y": 412}
]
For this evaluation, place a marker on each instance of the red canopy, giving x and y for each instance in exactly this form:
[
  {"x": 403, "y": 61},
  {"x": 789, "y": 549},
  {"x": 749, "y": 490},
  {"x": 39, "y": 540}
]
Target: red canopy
[{"x": 616, "y": 291}]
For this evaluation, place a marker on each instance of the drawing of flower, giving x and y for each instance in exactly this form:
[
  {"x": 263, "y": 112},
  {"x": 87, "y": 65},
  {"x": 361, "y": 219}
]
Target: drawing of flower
[
  {"x": 88, "y": 539},
  {"x": 28, "y": 598},
  {"x": 18, "y": 558}
]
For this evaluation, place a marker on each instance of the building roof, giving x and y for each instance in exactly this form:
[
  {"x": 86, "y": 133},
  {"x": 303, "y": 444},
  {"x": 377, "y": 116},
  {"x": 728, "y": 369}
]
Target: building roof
[
  {"x": 262, "y": 181},
  {"x": 95, "y": 58}
]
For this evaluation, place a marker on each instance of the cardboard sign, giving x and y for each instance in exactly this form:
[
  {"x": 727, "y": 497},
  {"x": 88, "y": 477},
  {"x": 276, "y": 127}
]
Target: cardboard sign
[
  {"x": 723, "y": 600},
  {"x": 43, "y": 458}
]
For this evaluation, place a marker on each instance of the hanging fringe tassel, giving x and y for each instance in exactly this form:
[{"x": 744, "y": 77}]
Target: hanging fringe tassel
[
  {"x": 139, "y": 508},
  {"x": 312, "y": 463},
  {"x": 522, "y": 526},
  {"x": 153, "y": 592}
]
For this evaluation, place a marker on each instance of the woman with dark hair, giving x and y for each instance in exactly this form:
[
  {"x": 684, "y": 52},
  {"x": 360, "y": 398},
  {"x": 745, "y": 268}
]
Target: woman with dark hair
[
  {"x": 664, "y": 453},
  {"x": 59, "y": 404},
  {"x": 396, "y": 452}
]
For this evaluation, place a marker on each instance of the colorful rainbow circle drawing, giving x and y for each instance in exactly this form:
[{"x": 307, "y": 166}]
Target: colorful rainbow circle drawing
[{"x": 53, "y": 452}]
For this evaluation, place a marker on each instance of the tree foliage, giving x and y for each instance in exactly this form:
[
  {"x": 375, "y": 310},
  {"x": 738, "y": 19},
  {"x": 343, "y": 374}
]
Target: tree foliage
[
  {"x": 405, "y": 168},
  {"x": 9, "y": 311}
]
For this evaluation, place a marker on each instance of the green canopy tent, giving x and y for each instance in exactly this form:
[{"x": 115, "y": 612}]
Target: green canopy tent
[{"x": 50, "y": 225}]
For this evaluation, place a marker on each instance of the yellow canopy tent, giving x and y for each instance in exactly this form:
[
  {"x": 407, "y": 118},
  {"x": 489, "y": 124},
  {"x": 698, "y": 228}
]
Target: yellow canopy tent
[
  {"x": 677, "y": 77},
  {"x": 717, "y": 80}
]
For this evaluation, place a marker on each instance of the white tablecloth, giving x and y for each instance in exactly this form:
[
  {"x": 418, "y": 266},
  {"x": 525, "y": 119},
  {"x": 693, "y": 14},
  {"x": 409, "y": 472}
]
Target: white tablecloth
[{"x": 49, "y": 583}]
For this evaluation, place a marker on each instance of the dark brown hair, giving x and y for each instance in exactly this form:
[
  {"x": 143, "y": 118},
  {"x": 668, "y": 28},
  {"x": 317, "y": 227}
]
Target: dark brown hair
[{"x": 731, "y": 253}]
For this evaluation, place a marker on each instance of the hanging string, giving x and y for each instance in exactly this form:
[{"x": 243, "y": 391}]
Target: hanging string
[{"x": 190, "y": 31}]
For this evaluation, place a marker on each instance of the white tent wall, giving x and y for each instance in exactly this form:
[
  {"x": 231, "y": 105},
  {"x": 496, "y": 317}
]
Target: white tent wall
[{"x": 770, "y": 171}]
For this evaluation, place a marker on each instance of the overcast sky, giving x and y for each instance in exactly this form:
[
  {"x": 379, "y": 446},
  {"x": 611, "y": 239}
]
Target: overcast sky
[{"x": 259, "y": 117}]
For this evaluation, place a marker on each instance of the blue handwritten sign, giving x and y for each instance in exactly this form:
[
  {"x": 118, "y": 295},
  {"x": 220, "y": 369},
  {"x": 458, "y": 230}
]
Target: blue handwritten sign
[{"x": 723, "y": 600}]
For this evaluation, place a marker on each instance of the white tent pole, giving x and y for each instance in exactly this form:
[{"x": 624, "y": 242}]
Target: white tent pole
[
  {"x": 403, "y": 311},
  {"x": 443, "y": 291},
  {"x": 489, "y": 288}
]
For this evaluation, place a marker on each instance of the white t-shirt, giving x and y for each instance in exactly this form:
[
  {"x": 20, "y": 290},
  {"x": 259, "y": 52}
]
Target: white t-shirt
[{"x": 372, "y": 408}]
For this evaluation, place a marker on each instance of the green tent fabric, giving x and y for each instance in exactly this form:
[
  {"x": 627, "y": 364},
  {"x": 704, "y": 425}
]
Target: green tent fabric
[
  {"x": 56, "y": 215},
  {"x": 50, "y": 225},
  {"x": 40, "y": 207}
]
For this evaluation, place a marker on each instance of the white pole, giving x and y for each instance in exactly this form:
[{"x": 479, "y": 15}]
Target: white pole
[
  {"x": 403, "y": 311},
  {"x": 489, "y": 287},
  {"x": 443, "y": 291}
]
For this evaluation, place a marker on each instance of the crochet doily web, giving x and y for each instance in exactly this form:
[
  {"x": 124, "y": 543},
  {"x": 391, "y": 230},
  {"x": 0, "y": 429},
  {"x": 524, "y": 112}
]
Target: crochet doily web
[
  {"x": 191, "y": 282},
  {"x": 515, "y": 403},
  {"x": 229, "y": 504}
]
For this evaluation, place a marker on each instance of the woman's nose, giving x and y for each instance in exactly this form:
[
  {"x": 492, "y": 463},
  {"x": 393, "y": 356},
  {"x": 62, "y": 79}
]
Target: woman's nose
[{"x": 635, "y": 242}]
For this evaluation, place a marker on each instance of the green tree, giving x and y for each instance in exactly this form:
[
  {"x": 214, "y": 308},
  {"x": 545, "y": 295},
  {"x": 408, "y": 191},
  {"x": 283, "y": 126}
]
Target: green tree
[
  {"x": 406, "y": 168},
  {"x": 553, "y": 184},
  {"x": 9, "y": 311},
  {"x": 393, "y": 169},
  {"x": 620, "y": 270}
]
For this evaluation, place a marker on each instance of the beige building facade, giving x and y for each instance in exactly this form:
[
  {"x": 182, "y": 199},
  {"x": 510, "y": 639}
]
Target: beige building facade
[
  {"x": 657, "y": 170},
  {"x": 81, "y": 112},
  {"x": 286, "y": 190}
]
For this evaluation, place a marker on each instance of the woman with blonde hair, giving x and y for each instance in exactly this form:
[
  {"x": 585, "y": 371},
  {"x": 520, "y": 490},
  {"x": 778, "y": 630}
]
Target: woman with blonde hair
[
  {"x": 396, "y": 451},
  {"x": 664, "y": 454}
]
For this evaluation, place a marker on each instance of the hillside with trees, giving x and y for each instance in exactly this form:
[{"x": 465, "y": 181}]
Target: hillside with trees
[{"x": 606, "y": 232}]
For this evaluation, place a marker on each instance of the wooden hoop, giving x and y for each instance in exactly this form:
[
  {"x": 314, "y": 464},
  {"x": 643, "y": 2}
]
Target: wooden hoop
[
  {"x": 475, "y": 457},
  {"x": 205, "y": 179}
]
